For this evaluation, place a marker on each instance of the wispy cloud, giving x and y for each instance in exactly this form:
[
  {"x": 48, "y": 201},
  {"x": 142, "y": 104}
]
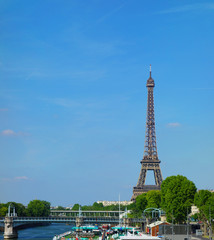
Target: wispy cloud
[
  {"x": 10, "y": 132},
  {"x": 107, "y": 15},
  {"x": 63, "y": 102},
  {"x": 188, "y": 7},
  {"x": 74, "y": 103},
  {"x": 85, "y": 75},
  {"x": 21, "y": 178},
  {"x": 173, "y": 125},
  {"x": 16, "y": 179},
  {"x": 102, "y": 18}
]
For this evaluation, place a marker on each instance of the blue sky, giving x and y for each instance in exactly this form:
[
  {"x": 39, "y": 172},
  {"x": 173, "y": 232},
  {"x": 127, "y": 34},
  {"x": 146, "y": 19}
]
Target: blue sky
[{"x": 73, "y": 95}]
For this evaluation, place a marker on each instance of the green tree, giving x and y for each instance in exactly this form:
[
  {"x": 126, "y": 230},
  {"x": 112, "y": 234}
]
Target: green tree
[
  {"x": 3, "y": 210},
  {"x": 19, "y": 208},
  {"x": 139, "y": 206},
  {"x": 60, "y": 208},
  {"x": 204, "y": 200},
  {"x": 201, "y": 198},
  {"x": 153, "y": 198},
  {"x": 38, "y": 208},
  {"x": 47, "y": 207},
  {"x": 76, "y": 207},
  {"x": 98, "y": 206},
  {"x": 177, "y": 196}
]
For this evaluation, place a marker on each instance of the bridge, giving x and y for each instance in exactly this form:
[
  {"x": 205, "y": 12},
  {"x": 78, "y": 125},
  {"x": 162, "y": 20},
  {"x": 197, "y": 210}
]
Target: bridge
[
  {"x": 70, "y": 213},
  {"x": 13, "y": 223},
  {"x": 71, "y": 220}
]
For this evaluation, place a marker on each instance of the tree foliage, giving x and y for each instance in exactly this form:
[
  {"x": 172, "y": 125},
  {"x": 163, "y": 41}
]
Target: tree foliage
[
  {"x": 204, "y": 200},
  {"x": 177, "y": 196},
  {"x": 99, "y": 207},
  {"x": 76, "y": 207},
  {"x": 153, "y": 198},
  {"x": 19, "y": 209},
  {"x": 38, "y": 208},
  {"x": 3, "y": 210},
  {"x": 60, "y": 208},
  {"x": 138, "y": 206}
]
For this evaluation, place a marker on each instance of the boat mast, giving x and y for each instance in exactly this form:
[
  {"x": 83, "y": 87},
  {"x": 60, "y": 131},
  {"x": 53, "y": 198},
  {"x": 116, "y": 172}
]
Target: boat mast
[{"x": 119, "y": 210}]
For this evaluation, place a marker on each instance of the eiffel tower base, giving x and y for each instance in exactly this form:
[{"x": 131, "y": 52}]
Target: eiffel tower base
[{"x": 138, "y": 190}]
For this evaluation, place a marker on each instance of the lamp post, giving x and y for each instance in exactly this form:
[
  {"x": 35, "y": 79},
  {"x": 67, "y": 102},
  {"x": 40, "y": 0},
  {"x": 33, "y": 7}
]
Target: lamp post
[
  {"x": 187, "y": 225},
  {"x": 172, "y": 226}
]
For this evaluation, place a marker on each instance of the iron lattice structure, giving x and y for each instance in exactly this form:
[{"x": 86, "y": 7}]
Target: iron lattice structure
[{"x": 150, "y": 159}]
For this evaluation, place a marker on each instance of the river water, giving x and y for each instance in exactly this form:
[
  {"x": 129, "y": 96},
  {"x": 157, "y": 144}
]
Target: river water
[{"x": 42, "y": 233}]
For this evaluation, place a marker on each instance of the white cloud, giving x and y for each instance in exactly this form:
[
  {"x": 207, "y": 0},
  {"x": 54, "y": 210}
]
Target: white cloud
[
  {"x": 174, "y": 125},
  {"x": 15, "y": 179},
  {"x": 21, "y": 178},
  {"x": 189, "y": 7},
  {"x": 64, "y": 102},
  {"x": 9, "y": 132}
]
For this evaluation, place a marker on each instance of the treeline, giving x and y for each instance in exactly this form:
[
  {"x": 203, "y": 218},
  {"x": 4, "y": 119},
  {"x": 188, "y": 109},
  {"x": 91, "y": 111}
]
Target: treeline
[
  {"x": 35, "y": 208},
  {"x": 96, "y": 207},
  {"x": 175, "y": 198}
]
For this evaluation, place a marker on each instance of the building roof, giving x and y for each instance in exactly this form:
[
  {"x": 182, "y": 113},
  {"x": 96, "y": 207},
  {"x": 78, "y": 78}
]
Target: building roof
[{"x": 155, "y": 224}]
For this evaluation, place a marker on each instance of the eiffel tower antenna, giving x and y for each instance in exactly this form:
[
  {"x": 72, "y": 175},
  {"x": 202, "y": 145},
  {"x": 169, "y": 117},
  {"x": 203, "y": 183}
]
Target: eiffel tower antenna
[{"x": 150, "y": 161}]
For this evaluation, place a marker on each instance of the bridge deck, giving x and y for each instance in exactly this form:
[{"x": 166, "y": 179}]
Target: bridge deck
[
  {"x": 86, "y": 220},
  {"x": 86, "y": 213}
]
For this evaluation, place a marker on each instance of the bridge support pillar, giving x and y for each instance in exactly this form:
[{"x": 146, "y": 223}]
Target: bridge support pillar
[
  {"x": 9, "y": 231},
  {"x": 79, "y": 222}
]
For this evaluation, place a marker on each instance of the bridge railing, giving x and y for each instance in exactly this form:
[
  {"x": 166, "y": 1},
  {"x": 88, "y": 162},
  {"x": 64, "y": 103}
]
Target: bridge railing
[
  {"x": 86, "y": 213},
  {"x": 70, "y": 219}
]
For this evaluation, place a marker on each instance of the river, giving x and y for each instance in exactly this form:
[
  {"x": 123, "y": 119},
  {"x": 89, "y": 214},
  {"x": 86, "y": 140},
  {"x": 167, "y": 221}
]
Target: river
[{"x": 42, "y": 233}]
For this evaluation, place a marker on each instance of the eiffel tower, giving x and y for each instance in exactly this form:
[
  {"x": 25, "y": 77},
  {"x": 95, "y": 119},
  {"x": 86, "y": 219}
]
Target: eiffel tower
[{"x": 150, "y": 159}]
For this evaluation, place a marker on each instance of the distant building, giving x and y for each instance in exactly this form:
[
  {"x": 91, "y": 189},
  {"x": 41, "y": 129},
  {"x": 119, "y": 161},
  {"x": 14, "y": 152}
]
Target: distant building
[
  {"x": 68, "y": 208},
  {"x": 108, "y": 203},
  {"x": 194, "y": 210},
  {"x": 56, "y": 207}
]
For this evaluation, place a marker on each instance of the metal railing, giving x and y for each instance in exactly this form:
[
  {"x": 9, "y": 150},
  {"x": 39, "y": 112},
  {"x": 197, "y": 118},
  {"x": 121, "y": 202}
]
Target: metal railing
[{"x": 69, "y": 219}]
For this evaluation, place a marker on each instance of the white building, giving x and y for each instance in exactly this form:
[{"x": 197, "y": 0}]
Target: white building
[
  {"x": 108, "y": 203},
  {"x": 194, "y": 210}
]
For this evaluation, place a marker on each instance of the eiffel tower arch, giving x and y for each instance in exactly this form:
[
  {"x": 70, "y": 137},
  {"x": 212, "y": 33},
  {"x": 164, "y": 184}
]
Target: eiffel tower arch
[{"x": 150, "y": 161}]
